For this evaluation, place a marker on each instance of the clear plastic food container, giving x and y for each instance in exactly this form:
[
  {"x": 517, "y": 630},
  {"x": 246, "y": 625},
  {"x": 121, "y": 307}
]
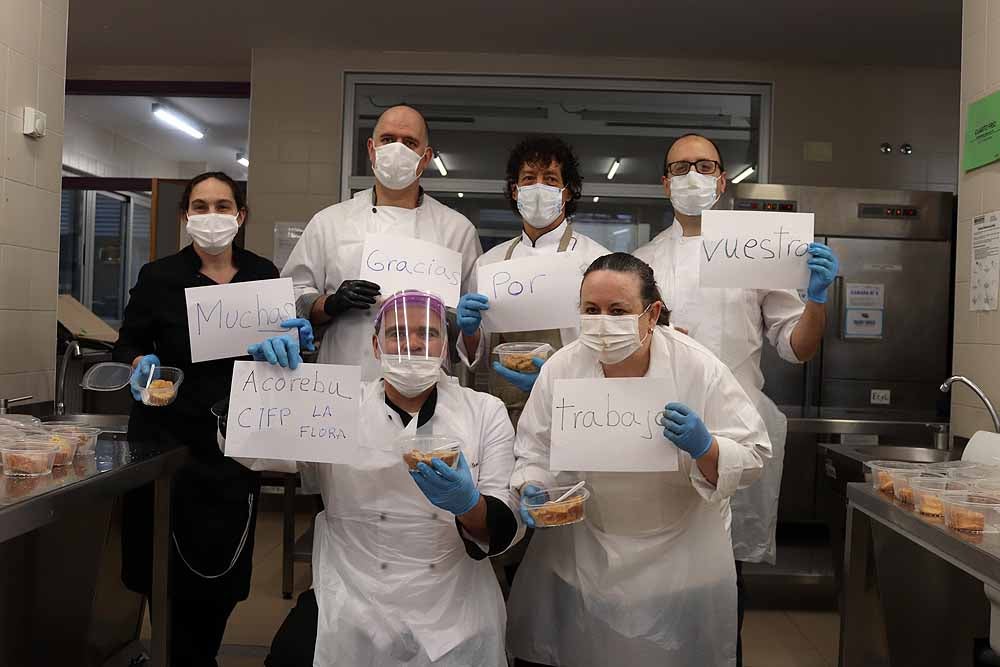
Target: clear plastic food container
[
  {"x": 518, "y": 356},
  {"x": 973, "y": 512},
  {"x": 928, "y": 493},
  {"x": 975, "y": 471},
  {"x": 547, "y": 513},
  {"x": 880, "y": 473},
  {"x": 163, "y": 389},
  {"x": 19, "y": 420},
  {"x": 902, "y": 483},
  {"x": 65, "y": 445},
  {"x": 424, "y": 448},
  {"x": 86, "y": 436},
  {"x": 949, "y": 466},
  {"x": 28, "y": 459}
]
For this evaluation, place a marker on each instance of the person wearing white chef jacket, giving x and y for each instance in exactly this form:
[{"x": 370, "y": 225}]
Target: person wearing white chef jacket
[
  {"x": 543, "y": 186},
  {"x": 734, "y": 322},
  {"x": 647, "y": 578},
  {"x": 325, "y": 264},
  {"x": 400, "y": 569}
]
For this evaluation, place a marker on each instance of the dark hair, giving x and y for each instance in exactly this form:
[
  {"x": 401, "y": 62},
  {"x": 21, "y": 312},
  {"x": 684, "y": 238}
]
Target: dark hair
[
  {"x": 622, "y": 262},
  {"x": 545, "y": 150},
  {"x": 722, "y": 163},
  {"x": 238, "y": 197}
]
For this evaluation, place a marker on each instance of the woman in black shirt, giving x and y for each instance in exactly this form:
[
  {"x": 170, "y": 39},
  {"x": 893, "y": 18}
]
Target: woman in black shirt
[{"x": 215, "y": 499}]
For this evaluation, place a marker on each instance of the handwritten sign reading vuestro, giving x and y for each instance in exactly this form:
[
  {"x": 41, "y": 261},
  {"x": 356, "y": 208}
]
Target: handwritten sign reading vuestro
[
  {"x": 756, "y": 250},
  {"x": 609, "y": 425},
  {"x": 532, "y": 293},
  {"x": 309, "y": 414},
  {"x": 396, "y": 263},
  {"x": 223, "y": 320}
]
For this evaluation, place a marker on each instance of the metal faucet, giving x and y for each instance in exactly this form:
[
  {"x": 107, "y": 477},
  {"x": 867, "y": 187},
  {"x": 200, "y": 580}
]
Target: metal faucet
[
  {"x": 5, "y": 402},
  {"x": 72, "y": 352},
  {"x": 946, "y": 387}
]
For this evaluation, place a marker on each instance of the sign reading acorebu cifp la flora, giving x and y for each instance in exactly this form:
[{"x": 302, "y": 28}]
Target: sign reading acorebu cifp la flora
[
  {"x": 309, "y": 414},
  {"x": 982, "y": 133}
]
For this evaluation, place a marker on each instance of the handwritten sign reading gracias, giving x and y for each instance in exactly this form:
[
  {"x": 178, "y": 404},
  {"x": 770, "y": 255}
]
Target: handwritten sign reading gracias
[
  {"x": 395, "y": 263},
  {"x": 755, "y": 250}
]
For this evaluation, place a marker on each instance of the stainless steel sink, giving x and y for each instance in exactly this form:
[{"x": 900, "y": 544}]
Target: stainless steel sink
[
  {"x": 893, "y": 453},
  {"x": 107, "y": 423}
]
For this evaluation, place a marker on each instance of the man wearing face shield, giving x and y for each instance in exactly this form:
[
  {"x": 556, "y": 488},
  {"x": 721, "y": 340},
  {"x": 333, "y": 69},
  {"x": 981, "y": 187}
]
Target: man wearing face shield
[
  {"x": 325, "y": 264},
  {"x": 734, "y": 322},
  {"x": 400, "y": 569},
  {"x": 543, "y": 186}
]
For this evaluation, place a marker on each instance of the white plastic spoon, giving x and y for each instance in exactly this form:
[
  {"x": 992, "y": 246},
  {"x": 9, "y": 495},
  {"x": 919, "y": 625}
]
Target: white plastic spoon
[{"x": 576, "y": 487}]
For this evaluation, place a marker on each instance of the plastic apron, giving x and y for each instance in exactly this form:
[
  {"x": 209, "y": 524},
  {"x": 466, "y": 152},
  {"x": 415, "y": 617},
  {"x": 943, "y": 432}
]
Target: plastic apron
[
  {"x": 645, "y": 580},
  {"x": 393, "y": 581},
  {"x": 513, "y": 397}
]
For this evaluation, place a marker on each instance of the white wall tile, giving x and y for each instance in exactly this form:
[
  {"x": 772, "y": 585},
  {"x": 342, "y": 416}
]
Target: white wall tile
[
  {"x": 28, "y": 341},
  {"x": 22, "y": 82},
  {"x": 48, "y": 165},
  {"x": 974, "y": 17},
  {"x": 19, "y": 25},
  {"x": 52, "y": 41},
  {"x": 52, "y": 98},
  {"x": 41, "y": 386},
  {"x": 966, "y": 420},
  {"x": 30, "y": 217},
  {"x": 28, "y": 278},
  {"x": 970, "y": 194},
  {"x": 962, "y": 240},
  {"x": 974, "y": 66},
  {"x": 3, "y": 77},
  {"x": 323, "y": 179},
  {"x": 21, "y": 151},
  {"x": 294, "y": 148}
]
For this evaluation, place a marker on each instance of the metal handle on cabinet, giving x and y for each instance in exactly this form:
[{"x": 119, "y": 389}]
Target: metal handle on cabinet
[{"x": 839, "y": 292}]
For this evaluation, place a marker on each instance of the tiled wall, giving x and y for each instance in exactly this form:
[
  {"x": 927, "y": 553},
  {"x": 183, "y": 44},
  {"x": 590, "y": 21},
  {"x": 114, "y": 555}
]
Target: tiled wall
[
  {"x": 96, "y": 151},
  {"x": 32, "y": 73},
  {"x": 977, "y": 335}
]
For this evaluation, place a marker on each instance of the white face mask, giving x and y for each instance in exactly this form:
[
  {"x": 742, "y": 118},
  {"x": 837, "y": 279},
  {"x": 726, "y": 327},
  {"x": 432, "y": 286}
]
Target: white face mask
[
  {"x": 396, "y": 166},
  {"x": 410, "y": 376},
  {"x": 693, "y": 193},
  {"x": 213, "y": 232},
  {"x": 614, "y": 338},
  {"x": 539, "y": 204}
]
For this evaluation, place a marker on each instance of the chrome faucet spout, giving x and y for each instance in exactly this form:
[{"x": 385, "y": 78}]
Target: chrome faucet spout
[{"x": 946, "y": 387}]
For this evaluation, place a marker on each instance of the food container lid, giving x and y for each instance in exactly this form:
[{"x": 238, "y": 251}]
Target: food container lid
[
  {"x": 107, "y": 376},
  {"x": 429, "y": 443},
  {"x": 534, "y": 349},
  {"x": 952, "y": 465},
  {"x": 18, "y": 421},
  {"x": 896, "y": 465},
  {"x": 29, "y": 446},
  {"x": 550, "y": 495}
]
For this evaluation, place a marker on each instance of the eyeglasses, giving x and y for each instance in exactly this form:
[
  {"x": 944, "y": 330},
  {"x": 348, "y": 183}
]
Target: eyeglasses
[{"x": 681, "y": 167}]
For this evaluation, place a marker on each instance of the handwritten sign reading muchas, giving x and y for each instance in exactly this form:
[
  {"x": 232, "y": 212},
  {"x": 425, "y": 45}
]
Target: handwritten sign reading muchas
[
  {"x": 396, "y": 263},
  {"x": 609, "y": 425},
  {"x": 223, "y": 320},
  {"x": 755, "y": 250},
  {"x": 532, "y": 293},
  {"x": 309, "y": 414}
]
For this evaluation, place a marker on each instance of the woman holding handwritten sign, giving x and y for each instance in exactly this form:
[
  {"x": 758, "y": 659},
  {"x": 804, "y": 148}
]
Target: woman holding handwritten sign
[{"x": 647, "y": 578}]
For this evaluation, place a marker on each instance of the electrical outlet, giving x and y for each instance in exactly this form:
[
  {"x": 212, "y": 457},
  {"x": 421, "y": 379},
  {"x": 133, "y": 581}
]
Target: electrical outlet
[{"x": 881, "y": 397}]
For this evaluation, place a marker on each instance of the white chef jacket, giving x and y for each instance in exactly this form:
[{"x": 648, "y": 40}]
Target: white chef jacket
[
  {"x": 732, "y": 323},
  {"x": 547, "y": 244},
  {"x": 329, "y": 252},
  {"x": 647, "y": 579},
  {"x": 394, "y": 584}
]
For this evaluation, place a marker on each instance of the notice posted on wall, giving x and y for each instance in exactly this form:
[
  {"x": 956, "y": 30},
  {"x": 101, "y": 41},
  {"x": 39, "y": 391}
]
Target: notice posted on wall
[{"x": 984, "y": 265}]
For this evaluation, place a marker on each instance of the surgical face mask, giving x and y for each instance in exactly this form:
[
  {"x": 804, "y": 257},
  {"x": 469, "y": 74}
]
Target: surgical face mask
[
  {"x": 614, "y": 338},
  {"x": 410, "y": 376},
  {"x": 693, "y": 193},
  {"x": 539, "y": 204},
  {"x": 396, "y": 166},
  {"x": 213, "y": 232}
]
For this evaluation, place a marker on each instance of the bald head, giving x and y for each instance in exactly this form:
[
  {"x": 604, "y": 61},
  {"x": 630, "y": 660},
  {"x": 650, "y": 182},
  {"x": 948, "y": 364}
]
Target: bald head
[
  {"x": 404, "y": 123},
  {"x": 693, "y": 147}
]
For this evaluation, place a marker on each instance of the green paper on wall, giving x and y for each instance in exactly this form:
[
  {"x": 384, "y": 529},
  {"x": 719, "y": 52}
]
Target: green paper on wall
[{"x": 982, "y": 133}]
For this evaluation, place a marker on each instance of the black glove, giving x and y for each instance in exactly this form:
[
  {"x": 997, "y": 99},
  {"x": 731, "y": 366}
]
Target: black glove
[{"x": 351, "y": 294}]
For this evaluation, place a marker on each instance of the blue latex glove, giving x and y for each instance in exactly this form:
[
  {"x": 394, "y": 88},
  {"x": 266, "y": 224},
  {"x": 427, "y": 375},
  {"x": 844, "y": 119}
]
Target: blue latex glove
[
  {"x": 527, "y": 490},
  {"x": 523, "y": 381},
  {"x": 683, "y": 427},
  {"x": 451, "y": 490},
  {"x": 282, "y": 350},
  {"x": 141, "y": 373},
  {"x": 468, "y": 312},
  {"x": 823, "y": 265}
]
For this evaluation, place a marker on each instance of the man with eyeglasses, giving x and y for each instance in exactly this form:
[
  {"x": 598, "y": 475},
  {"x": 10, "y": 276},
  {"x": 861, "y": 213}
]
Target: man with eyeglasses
[{"x": 733, "y": 323}]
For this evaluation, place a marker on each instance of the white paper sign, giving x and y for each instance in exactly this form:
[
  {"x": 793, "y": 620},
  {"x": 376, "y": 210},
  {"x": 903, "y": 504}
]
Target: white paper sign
[
  {"x": 864, "y": 323},
  {"x": 756, "y": 250},
  {"x": 309, "y": 414},
  {"x": 984, "y": 265},
  {"x": 532, "y": 293},
  {"x": 609, "y": 425},
  {"x": 396, "y": 263},
  {"x": 862, "y": 295},
  {"x": 223, "y": 320}
]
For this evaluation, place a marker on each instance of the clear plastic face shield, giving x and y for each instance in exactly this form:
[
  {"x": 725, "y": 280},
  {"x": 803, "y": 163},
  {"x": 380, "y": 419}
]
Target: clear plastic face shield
[{"x": 411, "y": 340}]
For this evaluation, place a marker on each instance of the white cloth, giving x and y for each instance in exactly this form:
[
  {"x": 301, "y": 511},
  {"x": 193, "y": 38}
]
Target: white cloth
[
  {"x": 647, "y": 579},
  {"x": 733, "y": 323},
  {"x": 547, "y": 244},
  {"x": 394, "y": 584},
  {"x": 329, "y": 252}
]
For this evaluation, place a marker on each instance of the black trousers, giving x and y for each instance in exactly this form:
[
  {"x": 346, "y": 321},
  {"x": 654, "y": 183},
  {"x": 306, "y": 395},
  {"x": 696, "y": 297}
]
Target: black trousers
[
  {"x": 196, "y": 630},
  {"x": 295, "y": 642}
]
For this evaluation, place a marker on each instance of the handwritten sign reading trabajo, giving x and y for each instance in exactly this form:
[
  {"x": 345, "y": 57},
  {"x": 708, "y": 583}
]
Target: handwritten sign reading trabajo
[{"x": 755, "y": 250}]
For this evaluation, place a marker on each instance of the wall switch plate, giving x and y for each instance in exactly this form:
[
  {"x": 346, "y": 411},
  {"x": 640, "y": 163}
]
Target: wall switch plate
[
  {"x": 881, "y": 397},
  {"x": 35, "y": 123}
]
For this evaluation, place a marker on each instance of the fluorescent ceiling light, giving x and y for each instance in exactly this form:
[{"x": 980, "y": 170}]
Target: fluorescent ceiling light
[
  {"x": 743, "y": 175},
  {"x": 175, "y": 121},
  {"x": 242, "y": 159},
  {"x": 614, "y": 168},
  {"x": 439, "y": 163},
  {"x": 461, "y": 194},
  {"x": 597, "y": 199}
]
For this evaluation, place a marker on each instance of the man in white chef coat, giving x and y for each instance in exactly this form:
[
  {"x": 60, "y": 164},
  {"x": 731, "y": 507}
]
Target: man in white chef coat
[
  {"x": 733, "y": 323},
  {"x": 325, "y": 265}
]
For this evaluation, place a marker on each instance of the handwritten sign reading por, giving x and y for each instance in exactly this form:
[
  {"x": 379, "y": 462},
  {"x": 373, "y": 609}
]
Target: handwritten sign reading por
[
  {"x": 396, "y": 263},
  {"x": 756, "y": 250},
  {"x": 532, "y": 293},
  {"x": 309, "y": 414},
  {"x": 223, "y": 320},
  {"x": 609, "y": 425}
]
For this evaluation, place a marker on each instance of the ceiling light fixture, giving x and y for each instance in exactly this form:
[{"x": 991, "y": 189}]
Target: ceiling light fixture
[
  {"x": 461, "y": 194},
  {"x": 614, "y": 168},
  {"x": 177, "y": 122},
  {"x": 743, "y": 175},
  {"x": 242, "y": 159},
  {"x": 597, "y": 199},
  {"x": 439, "y": 163}
]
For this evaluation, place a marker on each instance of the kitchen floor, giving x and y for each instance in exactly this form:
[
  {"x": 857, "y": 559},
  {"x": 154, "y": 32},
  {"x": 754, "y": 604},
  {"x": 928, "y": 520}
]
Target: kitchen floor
[{"x": 770, "y": 638}]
